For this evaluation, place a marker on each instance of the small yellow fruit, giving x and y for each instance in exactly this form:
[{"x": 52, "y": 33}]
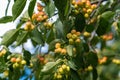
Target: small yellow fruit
[
  {"x": 3, "y": 51},
  {"x": 74, "y": 36},
  {"x": 57, "y": 45},
  {"x": 15, "y": 65},
  {"x": 86, "y": 15},
  {"x": 89, "y": 11},
  {"x": 77, "y": 40},
  {"x": 23, "y": 62},
  {"x": 60, "y": 70},
  {"x": 64, "y": 66},
  {"x": 71, "y": 41},
  {"x": 90, "y": 68},
  {"x": 6, "y": 73},
  {"x": 18, "y": 60},
  {"x": 58, "y": 50},
  {"x": 63, "y": 51},
  {"x": 67, "y": 68},
  {"x": 69, "y": 35},
  {"x": 86, "y": 34},
  {"x": 59, "y": 76}
]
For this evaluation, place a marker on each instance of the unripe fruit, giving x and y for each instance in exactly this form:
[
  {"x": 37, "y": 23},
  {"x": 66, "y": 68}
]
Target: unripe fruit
[
  {"x": 75, "y": 6},
  {"x": 59, "y": 76},
  {"x": 73, "y": 2},
  {"x": 86, "y": 15},
  {"x": 28, "y": 23},
  {"x": 29, "y": 26},
  {"x": 6, "y": 73},
  {"x": 15, "y": 65},
  {"x": 89, "y": 11},
  {"x": 63, "y": 51},
  {"x": 74, "y": 36},
  {"x": 31, "y": 64},
  {"x": 13, "y": 59},
  {"x": 18, "y": 60},
  {"x": 23, "y": 62},
  {"x": 90, "y": 68},
  {"x": 49, "y": 24},
  {"x": 67, "y": 68},
  {"x": 3, "y": 51},
  {"x": 64, "y": 67},
  {"x": 86, "y": 34},
  {"x": 57, "y": 45},
  {"x": 71, "y": 41},
  {"x": 69, "y": 35},
  {"x": 1, "y": 54},
  {"x": 55, "y": 75},
  {"x": 93, "y": 6},
  {"x": 60, "y": 70},
  {"x": 76, "y": 11}
]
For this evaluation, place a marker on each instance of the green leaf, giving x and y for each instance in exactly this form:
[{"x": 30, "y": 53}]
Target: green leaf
[
  {"x": 50, "y": 36},
  {"x": 59, "y": 29},
  {"x": 108, "y": 15},
  {"x": 50, "y": 66},
  {"x": 72, "y": 65},
  {"x": 80, "y": 22},
  {"x": 9, "y": 37},
  {"x": 118, "y": 25},
  {"x": 92, "y": 59},
  {"x": 21, "y": 38},
  {"x": 50, "y": 9},
  {"x": 103, "y": 26},
  {"x": 6, "y": 19},
  {"x": 63, "y": 7},
  {"x": 31, "y": 7},
  {"x": 17, "y": 8},
  {"x": 70, "y": 50},
  {"x": 95, "y": 74},
  {"x": 36, "y": 36},
  {"x": 27, "y": 56},
  {"x": 75, "y": 75}
]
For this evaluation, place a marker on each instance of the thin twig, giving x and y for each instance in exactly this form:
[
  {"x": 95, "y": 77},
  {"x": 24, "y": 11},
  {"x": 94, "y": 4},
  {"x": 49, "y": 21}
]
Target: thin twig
[{"x": 7, "y": 8}]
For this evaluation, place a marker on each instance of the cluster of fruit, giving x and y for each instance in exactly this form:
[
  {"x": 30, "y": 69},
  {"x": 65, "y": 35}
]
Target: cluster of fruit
[
  {"x": 41, "y": 15},
  {"x": 17, "y": 61},
  {"x": 74, "y": 37},
  {"x": 83, "y": 6},
  {"x": 116, "y": 61},
  {"x": 59, "y": 49},
  {"x": 63, "y": 70},
  {"x": 29, "y": 26},
  {"x": 2, "y": 52}
]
